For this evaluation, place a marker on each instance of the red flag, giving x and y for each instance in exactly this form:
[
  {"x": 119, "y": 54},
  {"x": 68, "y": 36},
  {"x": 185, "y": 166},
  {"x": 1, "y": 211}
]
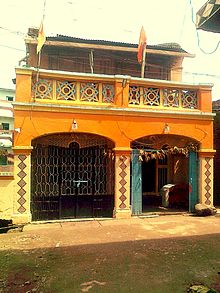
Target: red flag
[
  {"x": 41, "y": 38},
  {"x": 141, "y": 45}
]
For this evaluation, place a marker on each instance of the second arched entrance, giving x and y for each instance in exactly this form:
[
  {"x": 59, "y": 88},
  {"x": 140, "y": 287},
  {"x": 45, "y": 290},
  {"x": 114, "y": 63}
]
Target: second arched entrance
[{"x": 164, "y": 173}]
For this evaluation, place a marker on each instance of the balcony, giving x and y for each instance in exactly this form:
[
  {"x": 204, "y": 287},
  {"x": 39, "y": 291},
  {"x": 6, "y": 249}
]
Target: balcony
[
  {"x": 6, "y": 134},
  {"x": 112, "y": 91},
  {"x": 6, "y": 170}
]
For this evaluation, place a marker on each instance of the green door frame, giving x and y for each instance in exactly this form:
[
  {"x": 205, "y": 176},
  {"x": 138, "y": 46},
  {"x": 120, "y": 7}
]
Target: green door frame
[
  {"x": 193, "y": 181},
  {"x": 136, "y": 183}
]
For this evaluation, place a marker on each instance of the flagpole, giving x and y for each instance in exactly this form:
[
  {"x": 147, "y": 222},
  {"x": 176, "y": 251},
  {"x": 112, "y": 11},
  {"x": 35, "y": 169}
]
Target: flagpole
[
  {"x": 38, "y": 65},
  {"x": 143, "y": 63}
]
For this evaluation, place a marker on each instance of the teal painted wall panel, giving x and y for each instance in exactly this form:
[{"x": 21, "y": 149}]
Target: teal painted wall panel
[
  {"x": 136, "y": 183},
  {"x": 193, "y": 181}
]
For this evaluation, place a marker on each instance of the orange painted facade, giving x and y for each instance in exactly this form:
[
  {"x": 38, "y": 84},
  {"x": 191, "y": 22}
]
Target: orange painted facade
[
  {"x": 126, "y": 109},
  {"x": 120, "y": 122}
]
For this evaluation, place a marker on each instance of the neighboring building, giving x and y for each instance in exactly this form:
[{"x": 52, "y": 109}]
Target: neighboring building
[
  {"x": 208, "y": 19},
  {"x": 97, "y": 140},
  {"x": 6, "y": 131},
  {"x": 216, "y": 110}
]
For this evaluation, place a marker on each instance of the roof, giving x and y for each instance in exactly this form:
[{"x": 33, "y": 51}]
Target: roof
[
  {"x": 216, "y": 105},
  {"x": 174, "y": 47},
  {"x": 208, "y": 16}
]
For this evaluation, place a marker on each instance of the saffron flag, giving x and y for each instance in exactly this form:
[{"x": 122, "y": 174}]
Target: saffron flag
[
  {"x": 141, "y": 45},
  {"x": 41, "y": 38}
]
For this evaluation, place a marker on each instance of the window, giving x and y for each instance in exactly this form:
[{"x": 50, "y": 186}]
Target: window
[
  {"x": 6, "y": 162},
  {"x": 3, "y": 160},
  {"x": 154, "y": 175},
  {"x": 5, "y": 126},
  {"x": 9, "y": 98}
]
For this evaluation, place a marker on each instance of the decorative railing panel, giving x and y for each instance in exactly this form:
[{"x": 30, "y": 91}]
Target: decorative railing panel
[
  {"x": 43, "y": 89},
  {"x": 108, "y": 93},
  {"x": 151, "y": 96},
  {"x": 189, "y": 99},
  {"x": 89, "y": 92},
  {"x": 66, "y": 90},
  {"x": 163, "y": 97},
  {"x": 171, "y": 98},
  {"x": 84, "y": 91},
  {"x": 92, "y": 92},
  {"x": 134, "y": 95}
]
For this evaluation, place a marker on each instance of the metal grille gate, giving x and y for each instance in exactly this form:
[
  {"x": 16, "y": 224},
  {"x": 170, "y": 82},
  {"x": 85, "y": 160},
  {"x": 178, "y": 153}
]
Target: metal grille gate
[{"x": 72, "y": 182}]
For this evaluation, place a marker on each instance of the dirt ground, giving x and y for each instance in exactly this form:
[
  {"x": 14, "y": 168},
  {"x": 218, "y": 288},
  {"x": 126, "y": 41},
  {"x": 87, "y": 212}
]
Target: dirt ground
[
  {"x": 112, "y": 255},
  {"x": 70, "y": 233}
]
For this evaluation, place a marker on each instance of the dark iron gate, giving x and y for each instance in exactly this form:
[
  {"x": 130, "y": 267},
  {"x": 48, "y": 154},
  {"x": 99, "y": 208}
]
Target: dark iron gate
[{"x": 72, "y": 182}]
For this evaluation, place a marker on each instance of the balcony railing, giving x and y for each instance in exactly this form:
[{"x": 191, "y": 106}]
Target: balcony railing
[
  {"x": 97, "y": 92},
  {"x": 6, "y": 134},
  {"x": 72, "y": 88},
  {"x": 75, "y": 91},
  {"x": 163, "y": 97}
]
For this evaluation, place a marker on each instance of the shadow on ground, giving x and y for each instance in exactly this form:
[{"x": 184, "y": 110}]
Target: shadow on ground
[{"x": 159, "y": 266}]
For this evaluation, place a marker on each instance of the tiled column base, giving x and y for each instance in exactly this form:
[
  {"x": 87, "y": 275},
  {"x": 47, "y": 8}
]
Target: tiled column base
[
  {"x": 122, "y": 207},
  {"x": 22, "y": 174},
  {"x": 206, "y": 177}
]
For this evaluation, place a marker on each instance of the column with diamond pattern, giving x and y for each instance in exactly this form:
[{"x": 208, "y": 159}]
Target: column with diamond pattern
[
  {"x": 21, "y": 206},
  {"x": 122, "y": 183},
  {"x": 206, "y": 178}
]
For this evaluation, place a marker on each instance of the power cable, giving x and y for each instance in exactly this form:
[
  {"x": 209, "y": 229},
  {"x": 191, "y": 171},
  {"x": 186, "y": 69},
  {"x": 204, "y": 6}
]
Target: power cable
[
  {"x": 12, "y": 48},
  {"x": 12, "y": 31},
  {"x": 184, "y": 21}
]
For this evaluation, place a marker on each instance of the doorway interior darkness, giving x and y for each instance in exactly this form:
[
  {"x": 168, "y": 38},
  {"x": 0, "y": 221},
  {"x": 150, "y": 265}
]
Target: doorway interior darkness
[
  {"x": 154, "y": 177},
  {"x": 158, "y": 160}
]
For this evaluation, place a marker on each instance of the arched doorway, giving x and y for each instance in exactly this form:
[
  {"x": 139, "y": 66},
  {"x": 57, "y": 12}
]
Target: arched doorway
[
  {"x": 72, "y": 176},
  {"x": 163, "y": 163}
]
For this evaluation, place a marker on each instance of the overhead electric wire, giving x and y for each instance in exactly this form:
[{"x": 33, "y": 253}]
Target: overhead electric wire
[
  {"x": 183, "y": 25},
  {"x": 12, "y": 31},
  {"x": 9, "y": 47}
]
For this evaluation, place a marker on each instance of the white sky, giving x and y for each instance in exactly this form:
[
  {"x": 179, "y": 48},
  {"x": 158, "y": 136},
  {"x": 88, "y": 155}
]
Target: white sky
[{"x": 115, "y": 20}]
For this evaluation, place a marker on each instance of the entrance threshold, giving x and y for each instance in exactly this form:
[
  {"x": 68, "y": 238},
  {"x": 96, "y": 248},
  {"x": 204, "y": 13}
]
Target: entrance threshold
[
  {"x": 70, "y": 220},
  {"x": 166, "y": 213},
  {"x": 161, "y": 210}
]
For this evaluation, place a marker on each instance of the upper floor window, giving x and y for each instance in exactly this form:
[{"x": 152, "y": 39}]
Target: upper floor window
[
  {"x": 4, "y": 126},
  {"x": 9, "y": 98}
]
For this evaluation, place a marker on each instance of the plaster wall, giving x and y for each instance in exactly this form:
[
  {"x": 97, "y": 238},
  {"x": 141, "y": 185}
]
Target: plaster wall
[
  {"x": 121, "y": 129},
  {"x": 7, "y": 191}
]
